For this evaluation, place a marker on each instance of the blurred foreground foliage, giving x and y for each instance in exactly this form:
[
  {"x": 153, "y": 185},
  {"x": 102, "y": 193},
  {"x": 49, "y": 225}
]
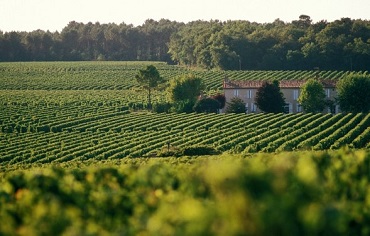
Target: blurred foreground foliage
[{"x": 296, "y": 193}]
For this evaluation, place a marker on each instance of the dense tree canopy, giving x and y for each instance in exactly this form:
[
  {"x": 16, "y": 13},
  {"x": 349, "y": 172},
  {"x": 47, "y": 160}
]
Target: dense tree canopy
[
  {"x": 91, "y": 41},
  {"x": 340, "y": 45},
  {"x": 353, "y": 93},
  {"x": 343, "y": 44},
  {"x": 312, "y": 96}
]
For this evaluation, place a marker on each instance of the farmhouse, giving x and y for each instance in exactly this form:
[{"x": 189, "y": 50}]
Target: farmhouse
[{"x": 246, "y": 90}]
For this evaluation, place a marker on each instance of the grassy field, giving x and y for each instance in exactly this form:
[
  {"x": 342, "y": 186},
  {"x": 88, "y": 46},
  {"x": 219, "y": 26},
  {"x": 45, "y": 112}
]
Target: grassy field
[{"x": 78, "y": 157}]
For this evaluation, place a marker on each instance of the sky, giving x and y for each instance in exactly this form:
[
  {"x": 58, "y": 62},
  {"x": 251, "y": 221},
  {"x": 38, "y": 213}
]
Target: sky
[{"x": 54, "y": 15}]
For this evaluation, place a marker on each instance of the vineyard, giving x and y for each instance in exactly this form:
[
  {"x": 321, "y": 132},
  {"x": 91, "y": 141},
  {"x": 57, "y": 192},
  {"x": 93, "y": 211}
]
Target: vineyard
[
  {"x": 62, "y": 111},
  {"x": 60, "y": 126},
  {"x": 79, "y": 155},
  {"x": 297, "y": 193},
  {"x": 121, "y": 75}
]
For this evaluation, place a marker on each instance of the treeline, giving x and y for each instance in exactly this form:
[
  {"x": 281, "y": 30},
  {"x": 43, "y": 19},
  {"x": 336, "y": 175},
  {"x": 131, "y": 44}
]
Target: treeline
[
  {"x": 91, "y": 41},
  {"x": 340, "y": 45},
  {"x": 299, "y": 45}
]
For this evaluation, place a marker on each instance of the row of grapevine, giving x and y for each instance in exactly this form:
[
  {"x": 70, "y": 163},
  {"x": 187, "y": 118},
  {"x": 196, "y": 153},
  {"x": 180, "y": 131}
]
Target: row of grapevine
[
  {"x": 121, "y": 75},
  {"x": 300, "y": 133},
  {"x": 338, "y": 130},
  {"x": 288, "y": 137},
  {"x": 24, "y": 111},
  {"x": 124, "y": 134},
  {"x": 362, "y": 140},
  {"x": 352, "y": 134},
  {"x": 313, "y": 136}
]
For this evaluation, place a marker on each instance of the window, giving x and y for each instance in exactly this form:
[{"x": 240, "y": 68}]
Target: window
[
  {"x": 254, "y": 107},
  {"x": 299, "y": 108},
  {"x": 236, "y": 93},
  {"x": 295, "y": 94},
  {"x": 288, "y": 108},
  {"x": 337, "y": 109},
  {"x": 249, "y": 93},
  {"x": 327, "y": 93}
]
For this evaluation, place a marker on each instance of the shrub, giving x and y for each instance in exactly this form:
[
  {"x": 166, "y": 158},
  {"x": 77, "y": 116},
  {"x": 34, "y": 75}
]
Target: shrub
[
  {"x": 207, "y": 105},
  {"x": 169, "y": 151},
  {"x": 236, "y": 105},
  {"x": 183, "y": 106},
  {"x": 221, "y": 99},
  {"x": 164, "y": 107},
  {"x": 199, "y": 150}
]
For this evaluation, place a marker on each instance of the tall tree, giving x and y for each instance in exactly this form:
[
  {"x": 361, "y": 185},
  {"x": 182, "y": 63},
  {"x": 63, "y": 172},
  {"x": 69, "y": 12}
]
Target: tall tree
[
  {"x": 269, "y": 98},
  {"x": 312, "y": 97},
  {"x": 300, "y": 45},
  {"x": 149, "y": 79},
  {"x": 353, "y": 93},
  {"x": 14, "y": 48}
]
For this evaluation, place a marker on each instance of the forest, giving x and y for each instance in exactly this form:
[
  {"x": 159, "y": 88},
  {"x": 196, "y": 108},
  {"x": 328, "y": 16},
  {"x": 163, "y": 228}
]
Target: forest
[{"x": 343, "y": 44}]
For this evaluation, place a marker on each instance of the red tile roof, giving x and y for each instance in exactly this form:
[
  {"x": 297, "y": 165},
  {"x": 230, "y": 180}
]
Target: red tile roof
[{"x": 233, "y": 84}]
